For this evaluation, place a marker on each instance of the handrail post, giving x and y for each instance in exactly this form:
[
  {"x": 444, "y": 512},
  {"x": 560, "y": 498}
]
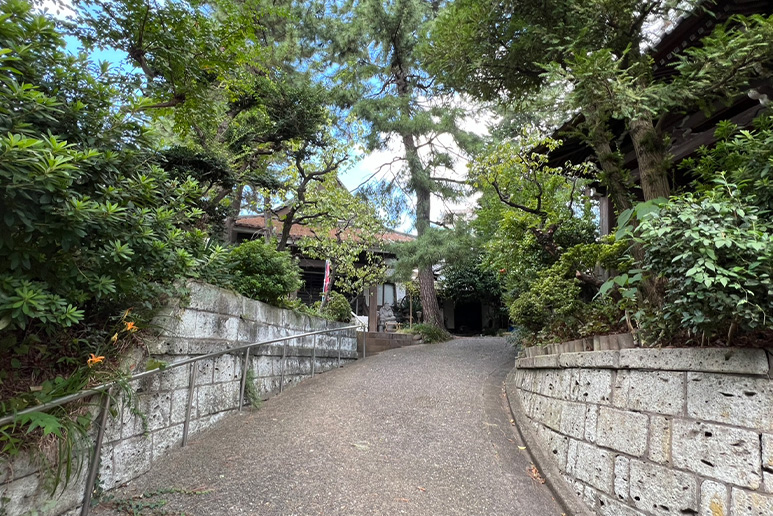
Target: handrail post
[
  {"x": 245, "y": 365},
  {"x": 313, "y": 355},
  {"x": 191, "y": 390},
  {"x": 282, "y": 367},
  {"x": 96, "y": 459}
]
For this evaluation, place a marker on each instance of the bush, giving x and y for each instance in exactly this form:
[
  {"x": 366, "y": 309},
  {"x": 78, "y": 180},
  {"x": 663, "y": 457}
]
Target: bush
[
  {"x": 715, "y": 253},
  {"x": 337, "y": 308},
  {"x": 263, "y": 273},
  {"x": 558, "y": 306},
  {"x": 429, "y": 334}
]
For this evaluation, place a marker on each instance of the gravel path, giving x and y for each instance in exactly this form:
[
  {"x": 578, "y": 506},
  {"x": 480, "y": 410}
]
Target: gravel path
[{"x": 420, "y": 430}]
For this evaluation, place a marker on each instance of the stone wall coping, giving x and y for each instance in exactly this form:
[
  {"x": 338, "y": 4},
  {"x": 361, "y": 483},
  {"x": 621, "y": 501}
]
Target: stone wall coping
[{"x": 750, "y": 361}]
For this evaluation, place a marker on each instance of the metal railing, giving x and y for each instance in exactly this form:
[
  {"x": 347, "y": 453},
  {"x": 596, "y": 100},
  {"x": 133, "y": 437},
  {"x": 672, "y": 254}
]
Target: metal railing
[{"x": 105, "y": 390}]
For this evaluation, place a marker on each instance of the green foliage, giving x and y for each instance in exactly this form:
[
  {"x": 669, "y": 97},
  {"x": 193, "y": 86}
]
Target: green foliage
[
  {"x": 337, "y": 308},
  {"x": 744, "y": 156},
  {"x": 91, "y": 226},
  {"x": 430, "y": 334},
  {"x": 263, "y": 273},
  {"x": 469, "y": 280},
  {"x": 251, "y": 391},
  {"x": 558, "y": 306},
  {"x": 715, "y": 252},
  {"x": 347, "y": 231}
]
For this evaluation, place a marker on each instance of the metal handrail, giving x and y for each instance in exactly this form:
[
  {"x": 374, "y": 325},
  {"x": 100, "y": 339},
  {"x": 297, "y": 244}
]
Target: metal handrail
[
  {"x": 105, "y": 386},
  {"x": 105, "y": 390}
]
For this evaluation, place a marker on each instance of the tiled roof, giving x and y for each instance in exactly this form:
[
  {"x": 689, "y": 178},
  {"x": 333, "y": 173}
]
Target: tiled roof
[{"x": 258, "y": 223}]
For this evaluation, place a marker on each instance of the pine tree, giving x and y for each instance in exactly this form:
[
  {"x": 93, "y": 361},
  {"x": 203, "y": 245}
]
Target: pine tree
[{"x": 371, "y": 52}]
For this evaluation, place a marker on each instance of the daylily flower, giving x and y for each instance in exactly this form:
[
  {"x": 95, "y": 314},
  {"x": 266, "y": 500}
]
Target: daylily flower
[
  {"x": 94, "y": 360},
  {"x": 131, "y": 326},
  {"x": 114, "y": 338}
]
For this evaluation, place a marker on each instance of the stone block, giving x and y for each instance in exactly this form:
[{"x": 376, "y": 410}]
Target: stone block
[
  {"x": 735, "y": 400},
  {"x": 593, "y": 386},
  {"x": 17, "y": 496},
  {"x": 589, "y": 359},
  {"x": 590, "y": 497},
  {"x": 610, "y": 507},
  {"x": 727, "y": 454},
  {"x": 165, "y": 439},
  {"x": 203, "y": 296},
  {"x": 745, "y": 503},
  {"x": 555, "y": 444},
  {"x": 546, "y": 362},
  {"x": 658, "y": 490},
  {"x": 767, "y": 452},
  {"x": 167, "y": 346},
  {"x": 180, "y": 406},
  {"x": 155, "y": 409},
  {"x": 622, "y": 431},
  {"x": 131, "y": 458},
  {"x": 661, "y": 392},
  {"x": 217, "y": 398},
  {"x": 660, "y": 439},
  {"x": 216, "y": 326},
  {"x": 204, "y": 371},
  {"x": 622, "y": 477},
  {"x": 227, "y": 303},
  {"x": 261, "y": 366},
  {"x": 170, "y": 379},
  {"x": 591, "y": 422},
  {"x": 12, "y": 468},
  {"x": 227, "y": 368},
  {"x": 717, "y": 360},
  {"x": 714, "y": 499},
  {"x": 593, "y": 466},
  {"x": 247, "y": 331},
  {"x": 767, "y": 481},
  {"x": 573, "y": 419},
  {"x": 576, "y": 486}
]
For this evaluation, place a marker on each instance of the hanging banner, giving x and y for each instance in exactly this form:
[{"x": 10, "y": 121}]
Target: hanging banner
[{"x": 326, "y": 283}]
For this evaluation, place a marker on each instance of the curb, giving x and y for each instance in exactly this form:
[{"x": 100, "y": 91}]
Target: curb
[{"x": 564, "y": 495}]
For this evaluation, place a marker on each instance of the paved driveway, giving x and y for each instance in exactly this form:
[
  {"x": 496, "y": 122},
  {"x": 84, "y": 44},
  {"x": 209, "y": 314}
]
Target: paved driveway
[{"x": 420, "y": 430}]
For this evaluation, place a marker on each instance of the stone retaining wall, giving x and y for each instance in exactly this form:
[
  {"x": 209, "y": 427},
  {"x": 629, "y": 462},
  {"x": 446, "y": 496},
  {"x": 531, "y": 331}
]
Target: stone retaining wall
[
  {"x": 214, "y": 319},
  {"x": 656, "y": 431}
]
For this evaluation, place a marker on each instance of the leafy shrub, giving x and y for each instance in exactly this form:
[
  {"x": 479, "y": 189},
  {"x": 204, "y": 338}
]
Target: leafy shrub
[
  {"x": 263, "y": 273},
  {"x": 337, "y": 308},
  {"x": 715, "y": 253},
  {"x": 90, "y": 226},
  {"x": 559, "y": 306},
  {"x": 429, "y": 334}
]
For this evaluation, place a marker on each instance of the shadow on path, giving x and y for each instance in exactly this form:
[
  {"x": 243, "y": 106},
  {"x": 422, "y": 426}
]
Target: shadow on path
[{"x": 420, "y": 430}]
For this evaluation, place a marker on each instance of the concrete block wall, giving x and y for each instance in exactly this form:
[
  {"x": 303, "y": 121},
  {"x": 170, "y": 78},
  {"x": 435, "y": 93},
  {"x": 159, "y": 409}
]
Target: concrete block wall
[
  {"x": 146, "y": 427},
  {"x": 642, "y": 432}
]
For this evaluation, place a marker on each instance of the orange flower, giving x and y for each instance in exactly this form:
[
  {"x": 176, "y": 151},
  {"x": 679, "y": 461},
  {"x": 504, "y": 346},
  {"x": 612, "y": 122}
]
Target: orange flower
[
  {"x": 94, "y": 360},
  {"x": 131, "y": 326}
]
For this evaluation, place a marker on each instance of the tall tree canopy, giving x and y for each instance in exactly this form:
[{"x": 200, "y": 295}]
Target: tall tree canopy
[
  {"x": 507, "y": 51},
  {"x": 371, "y": 60}
]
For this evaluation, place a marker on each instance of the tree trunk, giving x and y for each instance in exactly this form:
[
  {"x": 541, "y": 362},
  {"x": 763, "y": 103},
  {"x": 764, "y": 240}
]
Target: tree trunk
[
  {"x": 234, "y": 213},
  {"x": 651, "y": 154},
  {"x": 429, "y": 304},
  {"x": 614, "y": 177},
  {"x": 287, "y": 225}
]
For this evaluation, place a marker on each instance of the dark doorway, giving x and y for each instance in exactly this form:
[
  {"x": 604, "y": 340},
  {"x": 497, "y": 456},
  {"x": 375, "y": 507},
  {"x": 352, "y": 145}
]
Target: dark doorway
[{"x": 468, "y": 317}]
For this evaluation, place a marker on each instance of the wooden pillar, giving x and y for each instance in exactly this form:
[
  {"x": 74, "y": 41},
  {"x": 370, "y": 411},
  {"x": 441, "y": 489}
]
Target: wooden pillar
[{"x": 373, "y": 309}]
